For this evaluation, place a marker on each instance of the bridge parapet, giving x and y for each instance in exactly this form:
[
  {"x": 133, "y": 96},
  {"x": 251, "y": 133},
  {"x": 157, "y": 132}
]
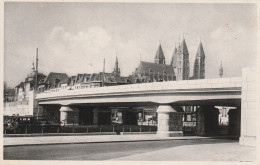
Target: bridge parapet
[{"x": 155, "y": 86}]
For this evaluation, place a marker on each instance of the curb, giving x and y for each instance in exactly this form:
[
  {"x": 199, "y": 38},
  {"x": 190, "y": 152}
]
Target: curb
[
  {"x": 59, "y": 134},
  {"x": 78, "y": 134},
  {"x": 117, "y": 141}
]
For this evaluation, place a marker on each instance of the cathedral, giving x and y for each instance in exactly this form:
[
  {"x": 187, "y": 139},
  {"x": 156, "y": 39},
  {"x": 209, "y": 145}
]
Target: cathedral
[{"x": 178, "y": 69}]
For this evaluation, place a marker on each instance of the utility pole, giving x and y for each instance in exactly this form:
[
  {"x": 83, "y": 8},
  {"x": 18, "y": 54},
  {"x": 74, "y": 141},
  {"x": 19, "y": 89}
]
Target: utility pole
[
  {"x": 36, "y": 75},
  {"x": 36, "y": 81},
  {"x": 221, "y": 70}
]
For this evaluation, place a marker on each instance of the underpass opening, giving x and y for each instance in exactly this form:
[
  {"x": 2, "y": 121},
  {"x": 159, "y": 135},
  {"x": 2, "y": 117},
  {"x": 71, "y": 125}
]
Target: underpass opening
[
  {"x": 211, "y": 117},
  {"x": 198, "y": 117}
]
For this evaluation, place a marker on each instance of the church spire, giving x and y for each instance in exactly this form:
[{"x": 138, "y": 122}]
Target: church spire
[
  {"x": 221, "y": 70},
  {"x": 116, "y": 71},
  {"x": 199, "y": 63},
  {"x": 183, "y": 48},
  {"x": 174, "y": 57},
  {"x": 116, "y": 63},
  {"x": 159, "y": 56},
  {"x": 182, "y": 62},
  {"x": 200, "y": 51}
]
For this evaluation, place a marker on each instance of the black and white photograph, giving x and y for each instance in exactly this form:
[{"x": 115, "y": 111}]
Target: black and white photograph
[{"x": 130, "y": 81}]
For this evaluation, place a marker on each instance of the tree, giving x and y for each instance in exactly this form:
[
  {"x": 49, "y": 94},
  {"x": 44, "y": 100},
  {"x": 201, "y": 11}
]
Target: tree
[
  {"x": 9, "y": 93},
  {"x": 5, "y": 90}
]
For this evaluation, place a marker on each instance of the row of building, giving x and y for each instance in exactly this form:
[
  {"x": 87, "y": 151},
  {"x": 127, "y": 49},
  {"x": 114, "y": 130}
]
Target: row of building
[
  {"x": 178, "y": 69},
  {"x": 159, "y": 70}
]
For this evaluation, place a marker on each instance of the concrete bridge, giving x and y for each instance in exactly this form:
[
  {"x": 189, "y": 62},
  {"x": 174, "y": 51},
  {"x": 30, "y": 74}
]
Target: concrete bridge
[{"x": 205, "y": 93}]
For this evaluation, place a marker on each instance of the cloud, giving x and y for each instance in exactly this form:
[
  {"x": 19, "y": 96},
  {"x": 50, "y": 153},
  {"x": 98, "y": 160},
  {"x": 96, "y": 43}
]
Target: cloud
[
  {"x": 233, "y": 44},
  {"x": 229, "y": 33},
  {"x": 84, "y": 52},
  {"x": 74, "y": 53}
]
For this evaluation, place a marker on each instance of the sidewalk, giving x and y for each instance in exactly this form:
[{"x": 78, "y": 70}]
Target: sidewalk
[
  {"x": 43, "y": 140},
  {"x": 201, "y": 152}
]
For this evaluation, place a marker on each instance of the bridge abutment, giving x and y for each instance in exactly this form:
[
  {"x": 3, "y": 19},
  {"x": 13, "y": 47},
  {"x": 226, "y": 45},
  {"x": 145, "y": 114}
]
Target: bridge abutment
[
  {"x": 249, "y": 107},
  {"x": 234, "y": 121},
  {"x": 169, "y": 122}
]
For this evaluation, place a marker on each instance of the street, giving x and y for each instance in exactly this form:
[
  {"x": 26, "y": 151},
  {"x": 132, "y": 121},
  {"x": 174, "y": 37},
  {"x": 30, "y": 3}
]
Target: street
[{"x": 98, "y": 151}]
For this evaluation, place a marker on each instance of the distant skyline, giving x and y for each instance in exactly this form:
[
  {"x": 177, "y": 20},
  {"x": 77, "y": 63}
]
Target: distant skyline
[{"x": 75, "y": 37}]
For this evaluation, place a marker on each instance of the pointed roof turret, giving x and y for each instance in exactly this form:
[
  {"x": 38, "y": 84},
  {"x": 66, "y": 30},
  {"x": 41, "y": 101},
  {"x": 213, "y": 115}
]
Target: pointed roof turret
[
  {"x": 183, "y": 48},
  {"x": 174, "y": 57},
  {"x": 116, "y": 63},
  {"x": 159, "y": 56},
  {"x": 220, "y": 70},
  {"x": 200, "y": 51},
  {"x": 116, "y": 71}
]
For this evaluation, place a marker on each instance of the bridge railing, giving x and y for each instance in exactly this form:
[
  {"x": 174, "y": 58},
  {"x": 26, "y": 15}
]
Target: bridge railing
[
  {"x": 116, "y": 129},
  {"x": 166, "y": 85},
  {"x": 43, "y": 129}
]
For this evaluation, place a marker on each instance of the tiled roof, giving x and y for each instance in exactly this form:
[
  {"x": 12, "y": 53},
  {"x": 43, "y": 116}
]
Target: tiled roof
[
  {"x": 109, "y": 78},
  {"x": 83, "y": 77},
  {"x": 92, "y": 76},
  {"x": 20, "y": 85},
  {"x": 154, "y": 68},
  {"x": 40, "y": 78},
  {"x": 132, "y": 79},
  {"x": 79, "y": 76},
  {"x": 100, "y": 75},
  {"x": 121, "y": 80},
  {"x": 53, "y": 77}
]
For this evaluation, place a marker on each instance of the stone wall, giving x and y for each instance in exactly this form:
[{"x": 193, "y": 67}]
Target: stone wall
[
  {"x": 26, "y": 107},
  {"x": 18, "y": 107},
  {"x": 249, "y": 107}
]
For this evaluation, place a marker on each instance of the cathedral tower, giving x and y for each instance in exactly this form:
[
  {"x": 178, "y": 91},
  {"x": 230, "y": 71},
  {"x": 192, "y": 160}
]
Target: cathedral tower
[
  {"x": 199, "y": 64},
  {"x": 182, "y": 62},
  {"x": 174, "y": 58},
  {"x": 159, "y": 56}
]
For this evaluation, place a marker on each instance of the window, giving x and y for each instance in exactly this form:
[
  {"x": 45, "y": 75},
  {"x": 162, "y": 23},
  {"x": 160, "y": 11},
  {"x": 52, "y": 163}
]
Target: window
[{"x": 188, "y": 117}]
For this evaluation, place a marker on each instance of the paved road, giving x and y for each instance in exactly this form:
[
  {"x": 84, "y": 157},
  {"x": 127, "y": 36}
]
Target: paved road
[{"x": 96, "y": 151}]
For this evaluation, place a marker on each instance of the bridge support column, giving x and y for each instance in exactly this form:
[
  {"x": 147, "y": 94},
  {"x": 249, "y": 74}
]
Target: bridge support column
[
  {"x": 130, "y": 117},
  {"x": 207, "y": 120},
  {"x": 95, "y": 116},
  {"x": 101, "y": 116},
  {"x": 69, "y": 116},
  {"x": 234, "y": 121},
  {"x": 169, "y": 122}
]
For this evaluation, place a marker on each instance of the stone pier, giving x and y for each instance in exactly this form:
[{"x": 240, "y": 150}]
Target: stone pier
[
  {"x": 68, "y": 115},
  {"x": 169, "y": 122}
]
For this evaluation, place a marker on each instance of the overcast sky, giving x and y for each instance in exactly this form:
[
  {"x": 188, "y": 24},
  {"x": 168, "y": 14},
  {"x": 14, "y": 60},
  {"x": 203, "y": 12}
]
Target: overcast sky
[{"x": 76, "y": 37}]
